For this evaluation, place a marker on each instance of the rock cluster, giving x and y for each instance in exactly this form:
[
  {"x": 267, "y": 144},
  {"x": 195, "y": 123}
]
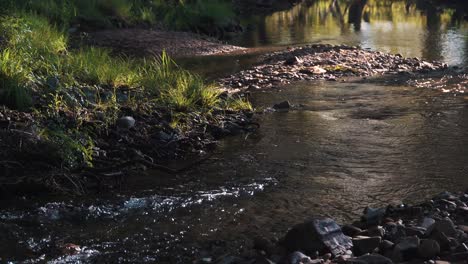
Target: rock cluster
[
  {"x": 324, "y": 62},
  {"x": 431, "y": 232}
]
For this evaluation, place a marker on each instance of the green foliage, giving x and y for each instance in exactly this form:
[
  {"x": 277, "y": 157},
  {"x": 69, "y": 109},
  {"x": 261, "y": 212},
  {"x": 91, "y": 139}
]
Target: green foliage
[
  {"x": 198, "y": 15},
  {"x": 35, "y": 62},
  {"x": 183, "y": 15},
  {"x": 13, "y": 77},
  {"x": 96, "y": 66},
  {"x": 237, "y": 104},
  {"x": 71, "y": 148}
]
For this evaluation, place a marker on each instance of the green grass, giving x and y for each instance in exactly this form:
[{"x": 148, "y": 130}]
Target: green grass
[
  {"x": 199, "y": 15},
  {"x": 40, "y": 74}
]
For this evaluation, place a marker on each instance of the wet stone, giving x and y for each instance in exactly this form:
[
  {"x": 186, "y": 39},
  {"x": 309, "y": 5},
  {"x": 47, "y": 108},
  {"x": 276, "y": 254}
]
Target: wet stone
[
  {"x": 373, "y": 216},
  {"x": 428, "y": 248},
  {"x": 282, "y": 106},
  {"x": 373, "y": 231},
  {"x": 406, "y": 249},
  {"x": 363, "y": 245},
  {"x": 298, "y": 257},
  {"x": 427, "y": 222},
  {"x": 317, "y": 235},
  {"x": 415, "y": 231},
  {"x": 445, "y": 226},
  {"x": 351, "y": 230}
]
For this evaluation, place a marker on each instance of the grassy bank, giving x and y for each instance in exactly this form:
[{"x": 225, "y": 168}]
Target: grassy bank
[
  {"x": 194, "y": 15},
  {"x": 61, "y": 107}
]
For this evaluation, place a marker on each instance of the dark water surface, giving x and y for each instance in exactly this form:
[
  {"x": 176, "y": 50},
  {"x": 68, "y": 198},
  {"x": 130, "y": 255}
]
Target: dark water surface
[{"x": 348, "y": 145}]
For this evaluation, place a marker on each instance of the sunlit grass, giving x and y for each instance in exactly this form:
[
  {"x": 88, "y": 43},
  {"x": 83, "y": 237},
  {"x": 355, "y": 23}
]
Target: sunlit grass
[{"x": 39, "y": 73}]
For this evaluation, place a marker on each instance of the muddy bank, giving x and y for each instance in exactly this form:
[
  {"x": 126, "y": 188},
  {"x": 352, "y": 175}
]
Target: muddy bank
[
  {"x": 435, "y": 231},
  {"x": 325, "y": 62},
  {"x": 145, "y": 42}
]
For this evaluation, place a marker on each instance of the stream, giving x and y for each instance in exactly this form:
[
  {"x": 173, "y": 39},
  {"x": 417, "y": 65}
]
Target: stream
[{"x": 344, "y": 147}]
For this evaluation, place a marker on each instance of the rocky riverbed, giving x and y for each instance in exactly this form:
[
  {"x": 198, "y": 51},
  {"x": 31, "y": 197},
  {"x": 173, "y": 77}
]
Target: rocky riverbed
[
  {"x": 324, "y": 62},
  {"x": 435, "y": 231}
]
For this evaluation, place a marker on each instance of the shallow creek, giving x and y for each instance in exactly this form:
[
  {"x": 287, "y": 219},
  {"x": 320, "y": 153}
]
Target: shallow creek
[{"x": 345, "y": 146}]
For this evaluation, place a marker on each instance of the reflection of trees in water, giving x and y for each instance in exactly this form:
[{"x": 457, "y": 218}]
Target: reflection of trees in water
[{"x": 355, "y": 14}]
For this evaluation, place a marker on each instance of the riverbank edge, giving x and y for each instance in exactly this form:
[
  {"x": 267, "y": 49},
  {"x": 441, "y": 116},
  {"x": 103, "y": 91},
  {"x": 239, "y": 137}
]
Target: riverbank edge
[
  {"x": 431, "y": 232},
  {"x": 143, "y": 140}
]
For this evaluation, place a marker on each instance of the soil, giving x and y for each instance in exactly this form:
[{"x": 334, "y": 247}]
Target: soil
[{"x": 143, "y": 42}]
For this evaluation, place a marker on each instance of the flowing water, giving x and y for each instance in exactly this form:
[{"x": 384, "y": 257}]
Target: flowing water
[{"x": 345, "y": 146}]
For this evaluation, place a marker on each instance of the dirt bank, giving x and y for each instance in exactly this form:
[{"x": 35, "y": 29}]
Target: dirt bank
[{"x": 143, "y": 42}]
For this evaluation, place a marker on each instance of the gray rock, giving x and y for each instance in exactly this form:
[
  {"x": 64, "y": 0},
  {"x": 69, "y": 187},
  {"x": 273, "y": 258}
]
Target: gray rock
[
  {"x": 363, "y": 245},
  {"x": 427, "y": 222},
  {"x": 282, "y": 106},
  {"x": 428, "y": 248},
  {"x": 125, "y": 122},
  {"x": 394, "y": 231},
  {"x": 386, "y": 245},
  {"x": 406, "y": 249},
  {"x": 415, "y": 231},
  {"x": 317, "y": 235},
  {"x": 442, "y": 238},
  {"x": 373, "y": 216},
  {"x": 298, "y": 257},
  {"x": 351, "y": 230},
  {"x": 445, "y": 226},
  {"x": 374, "y": 231}
]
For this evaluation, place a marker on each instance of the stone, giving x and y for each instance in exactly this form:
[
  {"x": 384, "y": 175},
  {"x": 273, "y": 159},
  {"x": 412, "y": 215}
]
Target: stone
[
  {"x": 429, "y": 248},
  {"x": 441, "y": 238},
  {"x": 351, "y": 230},
  {"x": 293, "y": 60},
  {"x": 373, "y": 231},
  {"x": 363, "y": 245},
  {"x": 261, "y": 243},
  {"x": 282, "y": 106},
  {"x": 445, "y": 226},
  {"x": 427, "y": 222},
  {"x": 463, "y": 256},
  {"x": 462, "y": 211},
  {"x": 386, "y": 245},
  {"x": 406, "y": 249},
  {"x": 298, "y": 257},
  {"x": 370, "y": 259},
  {"x": 394, "y": 231},
  {"x": 317, "y": 235},
  {"x": 125, "y": 122},
  {"x": 415, "y": 231},
  {"x": 373, "y": 216}
]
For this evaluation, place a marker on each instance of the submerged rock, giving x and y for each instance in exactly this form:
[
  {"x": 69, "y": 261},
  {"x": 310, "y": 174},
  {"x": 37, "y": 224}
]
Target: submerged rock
[{"x": 285, "y": 105}]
